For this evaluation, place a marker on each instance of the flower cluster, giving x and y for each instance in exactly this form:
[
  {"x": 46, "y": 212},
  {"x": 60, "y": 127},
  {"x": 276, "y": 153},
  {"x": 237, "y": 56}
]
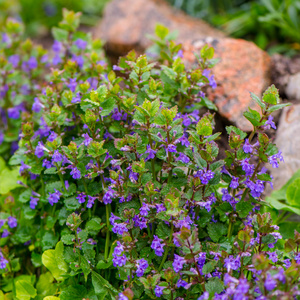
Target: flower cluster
[{"x": 123, "y": 194}]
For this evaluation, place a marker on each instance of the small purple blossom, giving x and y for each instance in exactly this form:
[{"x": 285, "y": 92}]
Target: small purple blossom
[
  {"x": 54, "y": 197},
  {"x": 178, "y": 263},
  {"x": 159, "y": 290},
  {"x": 75, "y": 173},
  {"x": 12, "y": 222},
  {"x": 157, "y": 245},
  {"x": 151, "y": 153},
  {"x": 81, "y": 198},
  {"x": 80, "y": 44},
  {"x": 142, "y": 265}
]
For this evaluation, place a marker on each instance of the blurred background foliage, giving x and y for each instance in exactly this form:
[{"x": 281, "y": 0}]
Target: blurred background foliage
[
  {"x": 40, "y": 15},
  {"x": 274, "y": 25}
]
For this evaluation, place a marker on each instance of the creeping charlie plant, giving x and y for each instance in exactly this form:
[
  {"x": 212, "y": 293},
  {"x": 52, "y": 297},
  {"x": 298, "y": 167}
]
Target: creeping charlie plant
[{"x": 115, "y": 189}]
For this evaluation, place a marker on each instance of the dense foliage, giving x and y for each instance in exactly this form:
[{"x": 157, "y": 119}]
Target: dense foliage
[
  {"x": 271, "y": 24},
  {"x": 38, "y": 16},
  {"x": 121, "y": 194}
]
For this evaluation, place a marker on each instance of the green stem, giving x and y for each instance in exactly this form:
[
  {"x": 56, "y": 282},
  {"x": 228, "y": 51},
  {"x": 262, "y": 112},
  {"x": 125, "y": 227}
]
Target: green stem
[
  {"x": 229, "y": 229},
  {"x": 167, "y": 250},
  {"x": 107, "y": 239}
]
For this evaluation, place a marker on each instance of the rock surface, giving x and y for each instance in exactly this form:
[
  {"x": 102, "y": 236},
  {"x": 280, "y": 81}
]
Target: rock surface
[
  {"x": 126, "y": 23},
  {"x": 288, "y": 141},
  {"x": 243, "y": 68},
  {"x": 293, "y": 87}
]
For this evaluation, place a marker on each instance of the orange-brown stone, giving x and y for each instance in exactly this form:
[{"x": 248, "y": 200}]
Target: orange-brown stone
[
  {"x": 243, "y": 68},
  {"x": 126, "y": 24}
]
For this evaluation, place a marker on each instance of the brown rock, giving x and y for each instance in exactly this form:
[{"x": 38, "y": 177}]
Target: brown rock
[
  {"x": 243, "y": 68},
  {"x": 288, "y": 141},
  {"x": 126, "y": 23}
]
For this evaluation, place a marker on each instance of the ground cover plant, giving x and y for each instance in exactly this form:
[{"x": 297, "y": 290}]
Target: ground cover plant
[{"x": 116, "y": 190}]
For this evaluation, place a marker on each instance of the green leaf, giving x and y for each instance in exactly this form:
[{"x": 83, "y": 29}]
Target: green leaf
[
  {"x": 59, "y": 34},
  {"x": 216, "y": 230},
  {"x": 204, "y": 126},
  {"x": 243, "y": 208},
  {"x": 163, "y": 231},
  {"x": 278, "y": 106},
  {"x": 73, "y": 292},
  {"x": 25, "y": 290},
  {"x": 253, "y": 116},
  {"x": 236, "y": 130},
  {"x": 209, "y": 267},
  {"x": 101, "y": 285},
  {"x": 161, "y": 31},
  {"x": 293, "y": 193},
  {"x": 271, "y": 95},
  {"x": 107, "y": 106},
  {"x": 49, "y": 240},
  {"x": 258, "y": 101},
  {"x": 8, "y": 180},
  {"x": 44, "y": 285},
  {"x": 214, "y": 285},
  {"x": 54, "y": 262},
  {"x": 94, "y": 224},
  {"x": 72, "y": 203}
]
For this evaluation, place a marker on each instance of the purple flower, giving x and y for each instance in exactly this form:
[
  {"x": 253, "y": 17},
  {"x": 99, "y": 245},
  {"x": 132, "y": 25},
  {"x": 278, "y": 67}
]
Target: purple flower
[
  {"x": 107, "y": 198},
  {"x": 201, "y": 259},
  {"x": 5, "y": 233},
  {"x": 140, "y": 222},
  {"x": 157, "y": 246},
  {"x": 91, "y": 201},
  {"x": 81, "y": 198},
  {"x": 269, "y": 123},
  {"x": 54, "y": 197},
  {"x": 78, "y": 59},
  {"x": 242, "y": 287},
  {"x": 234, "y": 182},
  {"x": 1, "y": 137},
  {"x": 144, "y": 210},
  {"x": 52, "y": 137},
  {"x": 23, "y": 167},
  {"x": 273, "y": 159},
  {"x": 270, "y": 283},
  {"x": 13, "y": 113},
  {"x": 186, "y": 120},
  {"x": 122, "y": 297},
  {"x": 2, "y": 222},
  {"x": 12, "y": 222},
  {"x": 182, "y": 157},
  {"x": 142, "y": 265},
  {"x": 159, "y": 291},
  {"x": 37, "y": 105},
  {"x": 75, "y": 173},
  {"x": 247, "y": 167},
  {"x": 32, "y": 63},
  {"x": 33, "y": 202},
  {"x": 72, "y": 84},
  {"x": 3, "y": 262},
  {"x": 172, "y": 148},
  {"x": 117, "y": 116},
  {"x": 39, "y": 150},
  {"x": 232, "y": 263},
  {"x": 87, "y": 139},
  {"x": 178, "y": 263},
  {"x": 160, "y": 208},
  {"x": 80, "y": 44},
  {"x": 57, "y": 157},
  {"x": 77, "y": 98},
  {"x": 247, "y": 147},
  {"x": 57, "y": 46},
  {"x": 119, "y": 260},
  {"x": 56, "y": 60},
  {"x": 151, "y": 153},
  {"x": 184, "y": 141},
  {"x": 47, "y": 164},
  {"x": 14, "y": 60},
  {"x": 205, "y": 176},
  {"x": 210, "y": 78}
]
